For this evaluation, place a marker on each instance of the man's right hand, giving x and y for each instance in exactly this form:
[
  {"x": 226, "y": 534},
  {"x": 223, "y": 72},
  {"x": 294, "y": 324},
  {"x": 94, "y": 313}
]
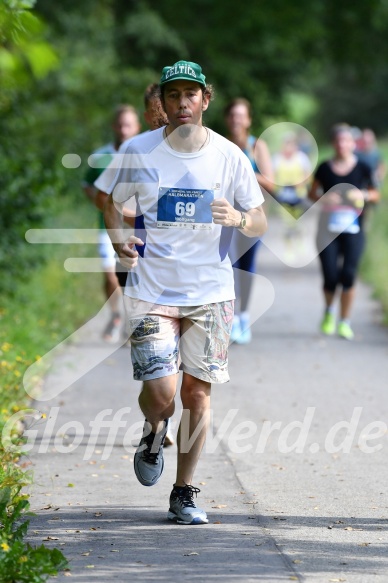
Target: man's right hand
[{"x": 128, "y": 256}]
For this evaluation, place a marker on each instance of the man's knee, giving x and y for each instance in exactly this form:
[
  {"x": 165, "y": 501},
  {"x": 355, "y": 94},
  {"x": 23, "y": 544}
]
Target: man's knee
[
  {"x": 195, "y": 393},
  {"x": 160, "y": 392}
]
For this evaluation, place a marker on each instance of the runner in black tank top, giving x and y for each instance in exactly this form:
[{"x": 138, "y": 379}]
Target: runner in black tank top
[{"x": 340, "y": 257}]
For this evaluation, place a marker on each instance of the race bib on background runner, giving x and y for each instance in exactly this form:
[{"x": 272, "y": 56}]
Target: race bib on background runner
[
  {"x": 184, "y": 208},
  {"x": 344, "y": 220}
]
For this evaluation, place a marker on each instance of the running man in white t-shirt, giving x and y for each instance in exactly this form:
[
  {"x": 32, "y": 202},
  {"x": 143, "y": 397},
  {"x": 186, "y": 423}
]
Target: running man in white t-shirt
[{"x": 185, "y": 181}]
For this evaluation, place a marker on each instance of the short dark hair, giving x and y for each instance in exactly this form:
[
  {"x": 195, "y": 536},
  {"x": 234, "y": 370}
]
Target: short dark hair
[
  {"x": 123, "y": 108},
  {"x": 238, "y": 101},
  {"x": 153, "y": 105},
  {"x": 151, "y": 92}
]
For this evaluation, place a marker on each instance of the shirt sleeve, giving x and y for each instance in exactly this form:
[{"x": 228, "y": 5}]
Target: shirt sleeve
[
  {"x": 101, "y": 161},
  {"x": 117, "y": 177},
  {"x": 246, "y": 190}
]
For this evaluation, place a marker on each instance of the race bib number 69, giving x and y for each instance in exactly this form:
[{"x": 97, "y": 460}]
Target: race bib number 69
[{"x": 187, "y": 208}]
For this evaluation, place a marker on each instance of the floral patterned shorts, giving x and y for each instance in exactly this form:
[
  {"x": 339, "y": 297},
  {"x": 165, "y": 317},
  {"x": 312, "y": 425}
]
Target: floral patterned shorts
[{"x": 165, "y": 339}]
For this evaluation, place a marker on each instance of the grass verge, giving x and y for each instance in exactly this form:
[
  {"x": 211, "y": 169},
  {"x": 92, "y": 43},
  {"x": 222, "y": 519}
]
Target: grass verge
[
  {"x": 374, "y": 265},
  {"x": 42, "y": 312}
]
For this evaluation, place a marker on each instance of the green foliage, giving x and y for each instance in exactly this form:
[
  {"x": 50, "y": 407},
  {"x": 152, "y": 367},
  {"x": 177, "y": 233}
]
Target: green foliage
[
  {"x": 344, "y": 95},
  {"x": 350, "y": 83},
  {"x": 264, "y": 50},
  {"x": 25, "y": 564},
  {"x": 42, "y": 312},
  {"x": 134, "y": 39},
  {"x": 26, "y": 176},
  {"x": 24, "y": 53},
  {"x": 20, "y": 562},
  {"x": 375, "y": 257},
  {"x": 255, "y": 53},
  {"x": 45, "y": 309},
  {"x": 26, "y": 185}
]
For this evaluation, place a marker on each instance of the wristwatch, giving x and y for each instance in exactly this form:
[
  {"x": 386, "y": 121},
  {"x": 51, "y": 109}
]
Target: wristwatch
[{"x": 243, "y": 222}]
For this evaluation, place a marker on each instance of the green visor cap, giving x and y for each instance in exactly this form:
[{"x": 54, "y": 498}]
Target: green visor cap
[{"x": 183, "y": 70}]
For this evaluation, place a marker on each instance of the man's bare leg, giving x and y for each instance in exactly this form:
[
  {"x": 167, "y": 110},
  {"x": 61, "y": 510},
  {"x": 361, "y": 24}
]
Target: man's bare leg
[
  {"x": 195, "y": 395},
  {"x": 113, "y": 294},
  {"x": 156, "y": 400}
]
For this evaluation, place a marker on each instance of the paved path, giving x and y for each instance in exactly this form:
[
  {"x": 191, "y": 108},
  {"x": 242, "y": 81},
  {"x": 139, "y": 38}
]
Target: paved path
[{"x": 288, "y": 505}]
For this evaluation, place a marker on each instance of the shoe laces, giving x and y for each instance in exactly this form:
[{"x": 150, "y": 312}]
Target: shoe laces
[
  {"x": 186, "y": 495},
  {"x": 151, "y": 457}
]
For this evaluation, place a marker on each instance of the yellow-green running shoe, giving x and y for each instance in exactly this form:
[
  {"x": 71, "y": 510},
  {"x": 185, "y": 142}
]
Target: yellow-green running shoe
[
  {"x": 328, "y": 324},
  {"x": 344, "y": 330}
]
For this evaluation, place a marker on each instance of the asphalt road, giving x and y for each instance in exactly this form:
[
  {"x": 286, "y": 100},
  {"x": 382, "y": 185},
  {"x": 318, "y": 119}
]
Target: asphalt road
[{"x": 289, "y": 477}]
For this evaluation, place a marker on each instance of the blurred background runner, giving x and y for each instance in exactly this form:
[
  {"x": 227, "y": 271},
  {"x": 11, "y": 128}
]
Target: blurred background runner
[
  {"x": 368, "y": 151},
  {"x": 125, "y": 125},
  {"x": 155, "y": 118},
  {"x": 341, "y": 227},
  {"x": 238, "y": 120}
]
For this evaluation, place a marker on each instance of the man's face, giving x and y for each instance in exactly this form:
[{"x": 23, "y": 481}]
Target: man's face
[
  {"x": 184, "y": 103},
  {"x": 126, "y": 126},
  {"x": 369, "y": 139}
]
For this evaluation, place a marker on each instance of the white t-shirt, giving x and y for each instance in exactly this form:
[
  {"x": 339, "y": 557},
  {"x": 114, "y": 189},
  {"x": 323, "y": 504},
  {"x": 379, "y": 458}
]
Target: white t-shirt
[{"x": 184, "y": 261}]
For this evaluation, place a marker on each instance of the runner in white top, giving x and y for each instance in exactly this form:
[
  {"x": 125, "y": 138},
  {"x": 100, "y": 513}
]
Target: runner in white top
[
  {"x": 179, "y": 295},
  {"x": 173, "y": 192},
  {"x": 125, "y": 125}
]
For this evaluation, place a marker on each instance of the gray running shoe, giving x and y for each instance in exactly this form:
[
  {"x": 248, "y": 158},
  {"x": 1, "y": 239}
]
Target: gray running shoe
[
  {"x": 182, "y": 507},
  {"x": 148, "y": 460}
]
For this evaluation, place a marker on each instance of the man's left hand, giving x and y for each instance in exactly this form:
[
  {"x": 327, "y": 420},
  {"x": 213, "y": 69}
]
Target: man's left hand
[{"x": 224, "y": 214}]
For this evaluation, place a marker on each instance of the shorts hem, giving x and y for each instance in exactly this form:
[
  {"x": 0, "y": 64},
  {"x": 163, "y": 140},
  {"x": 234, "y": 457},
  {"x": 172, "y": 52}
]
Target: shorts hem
[
  {"x": 208, "y": 377},
  {"x": 157, "y": 375}
]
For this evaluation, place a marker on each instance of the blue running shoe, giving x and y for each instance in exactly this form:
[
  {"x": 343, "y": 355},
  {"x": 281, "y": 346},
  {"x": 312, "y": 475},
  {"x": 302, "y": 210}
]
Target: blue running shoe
[
  {"x": 245, "y": 327},
  {"x": 236, "y": 330}
]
